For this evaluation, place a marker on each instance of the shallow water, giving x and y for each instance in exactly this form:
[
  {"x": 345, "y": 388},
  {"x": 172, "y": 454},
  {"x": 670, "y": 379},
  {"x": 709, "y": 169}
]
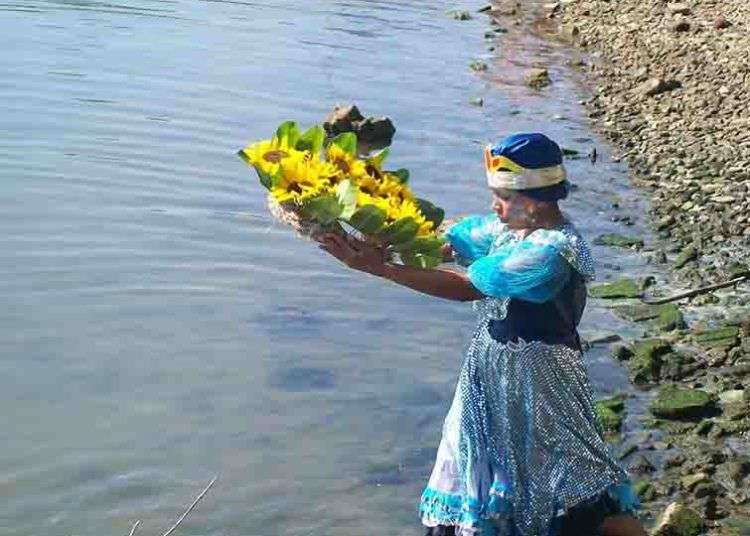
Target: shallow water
[{"x": 158, "y": 328}]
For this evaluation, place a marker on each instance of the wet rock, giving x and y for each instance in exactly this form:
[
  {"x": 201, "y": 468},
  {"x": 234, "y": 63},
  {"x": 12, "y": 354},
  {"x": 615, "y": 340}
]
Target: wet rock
[
  {"x": 670, "y": 318},
  {"x": 618, "y": 240},
  {"x": 642, "y": 466},
  {"x": 725, "y": 337},
  {"x": 622, "y": 288},
  {"x": 687, "y": 255},
  {"x": 676, "y": 366},
  {"x": 610, "y": 413},
  {"x": 689, "y": 482},
  {"x": 621, "y": 352},
  {"x": 372, "y": 132},
  {"x": 674, "y": 461},
  {"x": 478, "y": 66},
  {"x": 656, "y": 86},
  {"x": 645, "y": 491},
  {"x": 459, "y": 14},
  {"x": 733, "y": 396},
  {"x": 376, "y": 131},
  {"x": 342, "y": 119},
  {"x": 675, "y": 402},
  {"x": 646, "y": 363},
  {"x": 679, "y": 520},
  {"x": 537, "y": 78}
]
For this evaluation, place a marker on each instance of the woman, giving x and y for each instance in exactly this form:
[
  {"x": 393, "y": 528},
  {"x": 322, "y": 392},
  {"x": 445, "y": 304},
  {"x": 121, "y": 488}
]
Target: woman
[{"x": 521, "y": 451}]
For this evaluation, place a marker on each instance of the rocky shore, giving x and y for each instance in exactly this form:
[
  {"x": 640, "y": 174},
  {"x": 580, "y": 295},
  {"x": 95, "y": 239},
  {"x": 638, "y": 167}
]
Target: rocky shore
[{"x": 670, "y": 88}]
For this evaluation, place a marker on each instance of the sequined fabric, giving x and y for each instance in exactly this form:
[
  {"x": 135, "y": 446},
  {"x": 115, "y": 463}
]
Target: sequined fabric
[{"x": 521, "y": 445}]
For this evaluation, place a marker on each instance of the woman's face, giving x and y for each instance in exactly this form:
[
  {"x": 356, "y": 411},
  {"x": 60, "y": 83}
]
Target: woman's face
[{"x": 514, "y": 209}]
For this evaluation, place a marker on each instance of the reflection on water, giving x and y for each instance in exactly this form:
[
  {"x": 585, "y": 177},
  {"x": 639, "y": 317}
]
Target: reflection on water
[{"x": 159, "y": 328}]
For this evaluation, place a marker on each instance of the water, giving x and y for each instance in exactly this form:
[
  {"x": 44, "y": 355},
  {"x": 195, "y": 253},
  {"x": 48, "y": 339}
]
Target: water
[{"x": 158, "y": 329}]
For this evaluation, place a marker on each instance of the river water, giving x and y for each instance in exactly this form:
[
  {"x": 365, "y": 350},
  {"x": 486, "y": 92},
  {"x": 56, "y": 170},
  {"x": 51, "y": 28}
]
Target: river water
[{"x": 158, "y": 328}]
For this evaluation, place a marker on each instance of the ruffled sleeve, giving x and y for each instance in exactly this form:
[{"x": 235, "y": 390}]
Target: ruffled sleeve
[
  {"x": 532, "y": 270},
  {"x": 472, "y": 237}
]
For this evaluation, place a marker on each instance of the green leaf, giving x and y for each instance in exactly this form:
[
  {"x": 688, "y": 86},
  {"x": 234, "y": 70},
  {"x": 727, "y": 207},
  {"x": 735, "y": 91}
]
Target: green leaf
[
  {"x": 346, "y": 192},
  {"x": 419, "y": 260},
  {"x": 265, "y": 178},
  {"x": 312, "y": 140},
  {"x": 346, "y": 141},
  {"x": 378, "y": 158},
  {"x": 402, "y": 174},
  {"x": 432, "y": 212},
  {"x": 428, "y": 245},
  {"x": 368, "y": 219},
  {"x": 288, "y": 132},
  {"x": 324, "y": 209},
  {"x": 400, "y": 231}
]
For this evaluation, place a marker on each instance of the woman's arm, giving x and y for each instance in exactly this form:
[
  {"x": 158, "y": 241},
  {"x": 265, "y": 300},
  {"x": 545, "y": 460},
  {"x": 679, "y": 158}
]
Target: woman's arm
[{"x": 366, "y": 258}]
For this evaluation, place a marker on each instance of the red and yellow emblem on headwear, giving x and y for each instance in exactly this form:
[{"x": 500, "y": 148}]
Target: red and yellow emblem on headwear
[{"x": 502, "y": 172}]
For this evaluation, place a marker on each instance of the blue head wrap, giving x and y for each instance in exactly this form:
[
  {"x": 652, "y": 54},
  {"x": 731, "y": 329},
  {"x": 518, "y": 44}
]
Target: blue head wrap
[{"x": 530, "y": 162}]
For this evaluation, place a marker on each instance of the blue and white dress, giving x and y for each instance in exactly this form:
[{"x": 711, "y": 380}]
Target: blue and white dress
[{"x": 521, "y": 444}]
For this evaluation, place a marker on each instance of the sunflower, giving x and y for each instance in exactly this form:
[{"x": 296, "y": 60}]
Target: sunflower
[
  {"x": 303, "y": 176},
  {"x": 348, "y": 165},
  {"x": 266, "y": 155}
]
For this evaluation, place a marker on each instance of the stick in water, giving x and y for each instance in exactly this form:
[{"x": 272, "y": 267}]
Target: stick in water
[
  {"x": 697, "y": 291},
  {"x": 135, "y": 526},
  {"x": 190, "y": 509}
]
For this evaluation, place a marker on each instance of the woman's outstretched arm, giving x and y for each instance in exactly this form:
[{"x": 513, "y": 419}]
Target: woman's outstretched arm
[{"x": 435, "y": 282}]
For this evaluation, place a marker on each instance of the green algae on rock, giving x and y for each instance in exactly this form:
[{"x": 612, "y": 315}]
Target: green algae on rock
[
  {"x": 610, "y": 412},
  {"x": 674, "y": 402},
  {"x": 622, "y": 288},
  {"x": 646, "y": 363},
  {"x": 618, "y": 240},
  {"x": 725, "y": 337}
]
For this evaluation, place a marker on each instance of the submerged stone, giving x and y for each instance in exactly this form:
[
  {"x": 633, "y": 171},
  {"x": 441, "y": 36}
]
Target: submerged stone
[
  {"x": 675, "y": 402},
  {"x": 618, "y": 240}
]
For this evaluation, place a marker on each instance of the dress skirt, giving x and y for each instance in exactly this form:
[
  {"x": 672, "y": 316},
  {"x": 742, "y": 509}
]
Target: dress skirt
[{"x": 521, "y": 447}]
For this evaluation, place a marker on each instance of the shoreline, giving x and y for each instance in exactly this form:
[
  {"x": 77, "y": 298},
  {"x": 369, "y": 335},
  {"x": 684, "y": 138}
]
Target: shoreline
[{"x": 694, "y": 355}]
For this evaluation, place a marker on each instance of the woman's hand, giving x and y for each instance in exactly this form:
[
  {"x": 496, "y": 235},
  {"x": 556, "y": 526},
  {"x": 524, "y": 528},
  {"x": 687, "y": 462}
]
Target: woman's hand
[{"x": 356, "y": 254}]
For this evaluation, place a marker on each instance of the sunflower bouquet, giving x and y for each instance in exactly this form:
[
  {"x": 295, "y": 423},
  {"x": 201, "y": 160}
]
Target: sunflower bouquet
[{"x": 318, "y": 185}]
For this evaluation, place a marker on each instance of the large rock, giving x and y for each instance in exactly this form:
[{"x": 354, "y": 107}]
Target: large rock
[
  {"x": 537, "y": 78},
  {"x": 675, "y": 402},
  {"x": 372, "y": 132},
  {"x": 679, "y": 520}
]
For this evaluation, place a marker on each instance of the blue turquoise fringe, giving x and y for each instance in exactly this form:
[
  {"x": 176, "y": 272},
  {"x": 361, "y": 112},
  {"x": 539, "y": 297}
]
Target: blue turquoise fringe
[{"x": 459, "y": 510}]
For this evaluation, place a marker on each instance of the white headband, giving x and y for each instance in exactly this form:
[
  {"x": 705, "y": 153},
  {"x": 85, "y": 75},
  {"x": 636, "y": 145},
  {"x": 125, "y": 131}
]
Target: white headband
[{"x": 528, "y": 178}]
